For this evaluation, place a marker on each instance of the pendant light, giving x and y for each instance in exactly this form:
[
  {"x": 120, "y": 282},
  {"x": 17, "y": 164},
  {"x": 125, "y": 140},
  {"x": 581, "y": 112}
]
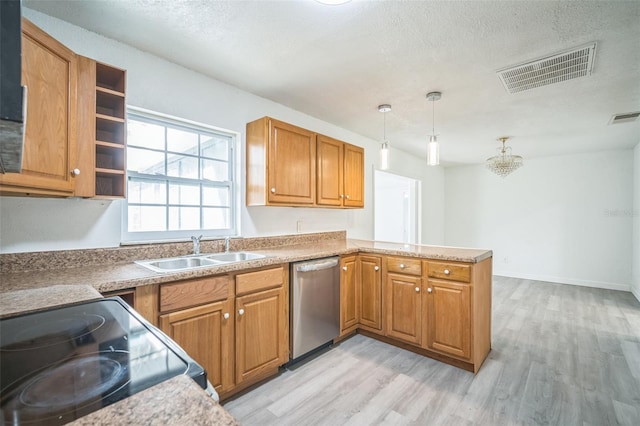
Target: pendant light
[
  {"x": 433, "y": 148},
  {"x": 384, "y": 148}
]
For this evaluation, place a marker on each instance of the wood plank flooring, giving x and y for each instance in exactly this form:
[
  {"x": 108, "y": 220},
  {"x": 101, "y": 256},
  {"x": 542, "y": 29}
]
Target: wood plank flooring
[{"x": 561, "y": 355}]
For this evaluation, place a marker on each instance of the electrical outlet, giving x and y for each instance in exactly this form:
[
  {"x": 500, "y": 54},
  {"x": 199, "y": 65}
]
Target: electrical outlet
[
  {"x": 506, "y": 259},
  {"x": 299, "y": 226}
]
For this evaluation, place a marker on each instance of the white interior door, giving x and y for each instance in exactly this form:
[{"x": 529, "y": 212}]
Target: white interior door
[{"x": 397, "y": 208}]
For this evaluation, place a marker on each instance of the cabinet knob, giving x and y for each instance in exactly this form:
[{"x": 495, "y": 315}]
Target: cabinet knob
[
  {"x": 75, "y": 172},
  {"x": 226, "y": 315},
  {"x": 376, "y": 268},
  {"x": 417, "y": 289},
  {"x": 402, "y": 266},
  {"x": 273, "y": 190},
  {"x": 341, "y": 196},
  {"x": 429, "y": 290},
  {"x": 344, "y": 268},
  {"x": 447, "y": 272},
  {"x": 347, "y": 197},
  {"x": 240, "y": 311}
]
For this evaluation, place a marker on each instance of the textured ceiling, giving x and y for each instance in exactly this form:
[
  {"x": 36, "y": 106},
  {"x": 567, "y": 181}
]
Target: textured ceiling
[{"x": 338, "y": 63}]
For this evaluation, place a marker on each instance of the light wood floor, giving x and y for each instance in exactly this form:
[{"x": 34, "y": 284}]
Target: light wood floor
[{"x": 562, "y": 355}]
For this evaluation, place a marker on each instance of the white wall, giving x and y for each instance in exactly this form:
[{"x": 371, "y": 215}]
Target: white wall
[
  {"x": 159, "y": 85},
  {"x": 560, "y": 219},
  {"x": 636, "y": 222}
]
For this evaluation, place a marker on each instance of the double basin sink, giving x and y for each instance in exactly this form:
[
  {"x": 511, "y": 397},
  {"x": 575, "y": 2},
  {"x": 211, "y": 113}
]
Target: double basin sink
[{"x": 184, "y": 263}]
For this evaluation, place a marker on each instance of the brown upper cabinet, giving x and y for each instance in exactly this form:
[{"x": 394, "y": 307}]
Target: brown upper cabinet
[
  {"x": 49, "y": 156},
  {"x": 291, "y": 166},
  {"x": 281, "y": 167},
  {"x": 75, "y": 133},
  {"x": 340, "y": 168}
]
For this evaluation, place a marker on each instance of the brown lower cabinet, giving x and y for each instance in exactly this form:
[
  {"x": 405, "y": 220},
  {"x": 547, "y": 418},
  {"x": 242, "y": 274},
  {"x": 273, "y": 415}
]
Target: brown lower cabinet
[
  {"x": 370, "y": 282},
  {"x": 349, "y": 305},
  {"x": 448, "y": 330},
  {"x": 235, "y": 326},
  {"x": 206, "y": 334},
  {"x": 404, "y": 308},
  {"x": 261, "y": 340},
  {"x": 438, "y": 309}
]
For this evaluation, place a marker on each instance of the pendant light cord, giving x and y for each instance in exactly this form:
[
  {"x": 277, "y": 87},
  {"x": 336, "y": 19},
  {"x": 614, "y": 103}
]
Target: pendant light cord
[
  {"x": 384, "y": 131},
  {"x": 433, "y": 117}
]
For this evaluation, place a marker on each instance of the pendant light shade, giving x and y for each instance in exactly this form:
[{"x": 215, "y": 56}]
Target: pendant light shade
[
  {"x": 384, "y": 156},
  {"x": 433, "y": 151},
  {"x": 384, "y": 148},
  {"x": 433, "y": 147}
]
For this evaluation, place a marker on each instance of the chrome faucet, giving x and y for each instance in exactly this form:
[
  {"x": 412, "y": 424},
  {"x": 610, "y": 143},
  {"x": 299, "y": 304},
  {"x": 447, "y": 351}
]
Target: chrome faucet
[
  {"x": 196, "y": 244},
  {"x": 227, "y": 240}
]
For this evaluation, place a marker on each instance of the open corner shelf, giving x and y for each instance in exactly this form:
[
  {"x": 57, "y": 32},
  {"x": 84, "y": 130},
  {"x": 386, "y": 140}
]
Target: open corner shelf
[{"x": 110, "y": 143}]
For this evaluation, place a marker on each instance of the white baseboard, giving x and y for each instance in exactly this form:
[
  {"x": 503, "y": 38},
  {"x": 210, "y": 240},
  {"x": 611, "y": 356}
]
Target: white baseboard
[{"x": 570, "y": 281}]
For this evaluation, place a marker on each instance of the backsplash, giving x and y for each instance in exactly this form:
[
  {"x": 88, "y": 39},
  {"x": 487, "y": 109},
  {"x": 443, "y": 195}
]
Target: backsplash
[{"x": 39, "y": 261}]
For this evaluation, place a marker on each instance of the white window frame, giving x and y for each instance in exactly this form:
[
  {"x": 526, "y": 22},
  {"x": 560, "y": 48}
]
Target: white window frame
[{"x": 234, "y": 185}]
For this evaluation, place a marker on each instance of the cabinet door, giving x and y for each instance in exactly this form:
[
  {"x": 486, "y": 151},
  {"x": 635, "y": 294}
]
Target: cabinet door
[
  {"x": 448, "y": 323},
  {"x": 49, "y": 154},
  {"x": 262, "y": 332},
  {"x": 292, "y": 164},
  {"x": 353, "y": 176},
  {"x": 404, "y": 310},
  {"x": 206, "y": 334},
  {"x": 370, "y": 292},
  {"x": 348, "y": 294},
  {"x": 330, "y": 191}
]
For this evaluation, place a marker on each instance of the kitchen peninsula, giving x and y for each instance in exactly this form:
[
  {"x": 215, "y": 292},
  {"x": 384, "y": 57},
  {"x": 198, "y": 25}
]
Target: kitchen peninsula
[{"x": 435, "y": 301}]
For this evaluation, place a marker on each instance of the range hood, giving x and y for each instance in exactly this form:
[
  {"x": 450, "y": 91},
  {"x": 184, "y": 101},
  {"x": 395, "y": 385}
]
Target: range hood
[{"x": 12, "y": 94}]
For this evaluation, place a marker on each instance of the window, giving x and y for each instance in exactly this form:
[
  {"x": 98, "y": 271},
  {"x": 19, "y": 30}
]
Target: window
[{"x": 180, "y": 179}]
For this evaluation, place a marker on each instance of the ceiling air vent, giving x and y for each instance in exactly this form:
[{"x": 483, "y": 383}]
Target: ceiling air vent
[
  {"x": 624, "y": 118},
  {"x": 574, "y": 63}
]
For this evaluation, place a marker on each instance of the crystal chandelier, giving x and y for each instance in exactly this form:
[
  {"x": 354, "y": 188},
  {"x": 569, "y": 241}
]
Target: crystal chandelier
[{"x": 504, "y": 163}]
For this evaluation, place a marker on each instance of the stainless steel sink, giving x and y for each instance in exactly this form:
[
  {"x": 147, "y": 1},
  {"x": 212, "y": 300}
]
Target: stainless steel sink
[
  {"x": 177, "y": 263},
  {"x": 185, "y": 263},
  {"x": 238, "y": 256}
]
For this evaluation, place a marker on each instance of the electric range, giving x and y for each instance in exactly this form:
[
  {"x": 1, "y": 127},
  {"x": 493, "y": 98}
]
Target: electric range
[{"x": 61, "y": 364}]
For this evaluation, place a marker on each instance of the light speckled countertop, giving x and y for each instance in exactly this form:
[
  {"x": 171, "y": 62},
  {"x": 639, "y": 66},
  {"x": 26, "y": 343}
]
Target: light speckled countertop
[
  {"x": 38, "y": 299},
  {"x": 117, "y": 276},
  {"x": 59, "y": 280},
  {"x": 176, "y": 401}
]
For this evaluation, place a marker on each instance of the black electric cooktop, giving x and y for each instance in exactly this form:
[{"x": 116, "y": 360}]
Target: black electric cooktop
[{"x": 61, "y": 364}]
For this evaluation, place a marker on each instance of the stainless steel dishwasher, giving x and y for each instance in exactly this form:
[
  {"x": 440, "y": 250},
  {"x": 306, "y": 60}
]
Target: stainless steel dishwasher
[{"x": 315, "y": 304}]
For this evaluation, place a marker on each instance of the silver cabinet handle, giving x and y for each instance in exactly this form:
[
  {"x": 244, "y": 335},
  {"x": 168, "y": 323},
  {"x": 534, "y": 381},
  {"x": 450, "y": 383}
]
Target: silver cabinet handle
[
  {"x": 376, "y": 268},
  {"x": 447, "y": 272},
  {"x": 75, "y": 172},
  {"x": 240, "y": 311},
  {"x": 273, "y": 190},
  {"x": 417, "y": 289},
  {"x": 226, "y": 315},
  {"x": 344, "y": 268},
  {"x": 429, "y": 290},
  {"x": 402, "y": 266}
]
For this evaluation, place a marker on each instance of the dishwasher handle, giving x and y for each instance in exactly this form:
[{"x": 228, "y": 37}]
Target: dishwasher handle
[{"x": 317, "y": 266}]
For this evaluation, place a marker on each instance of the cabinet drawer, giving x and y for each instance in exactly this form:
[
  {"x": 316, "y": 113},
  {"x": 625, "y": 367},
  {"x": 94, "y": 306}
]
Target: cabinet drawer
[
  {"x": 404, "y": 265},
  {"x": 260, "y": 280},
  {"x": 193, "y": 292},
  {"x": 450, "y": 271}
]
